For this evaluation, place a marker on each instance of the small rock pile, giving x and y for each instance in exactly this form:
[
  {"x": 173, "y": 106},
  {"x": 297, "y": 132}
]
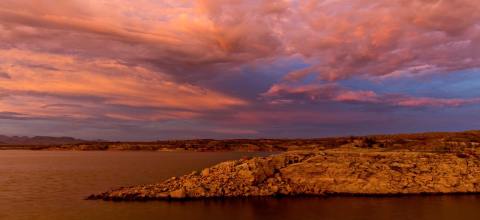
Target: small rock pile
[{"x": 315, "y": 172}]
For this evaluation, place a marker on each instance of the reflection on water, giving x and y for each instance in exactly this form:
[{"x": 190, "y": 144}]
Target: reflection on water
[{"x": 52, "y": 185}]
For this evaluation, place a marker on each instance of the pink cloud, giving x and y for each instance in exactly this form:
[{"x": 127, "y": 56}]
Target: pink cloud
[
  {"x": 339, "y": 39},
  {"x": 437, "y": 102},
  {"x": 356, "y": 96},
  {"x": 336, "y": 93},
  {"x": 378, "y": 38},
  {"x": 317, "y": 93}
]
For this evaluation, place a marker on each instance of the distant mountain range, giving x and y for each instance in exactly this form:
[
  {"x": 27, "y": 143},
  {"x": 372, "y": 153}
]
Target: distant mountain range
[{"x": 37, "y": 140}]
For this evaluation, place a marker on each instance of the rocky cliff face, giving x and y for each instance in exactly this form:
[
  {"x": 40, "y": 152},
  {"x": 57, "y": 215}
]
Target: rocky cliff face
[{"x": 339, "y": 171}]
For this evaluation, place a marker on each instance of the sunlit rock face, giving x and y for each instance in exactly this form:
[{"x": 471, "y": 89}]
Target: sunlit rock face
[{"x": 345, "y": 170}]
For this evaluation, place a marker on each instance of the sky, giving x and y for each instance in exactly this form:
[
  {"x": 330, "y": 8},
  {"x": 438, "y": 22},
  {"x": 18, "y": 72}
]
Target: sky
[{"x": 182, "y": 69}]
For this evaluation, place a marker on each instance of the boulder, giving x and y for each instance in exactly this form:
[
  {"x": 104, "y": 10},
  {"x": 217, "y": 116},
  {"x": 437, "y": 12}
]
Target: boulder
[{"x": 178, "y": 194}]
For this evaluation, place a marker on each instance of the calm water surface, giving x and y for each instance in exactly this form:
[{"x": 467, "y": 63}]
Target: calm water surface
[{"x": 52, "y": 185}]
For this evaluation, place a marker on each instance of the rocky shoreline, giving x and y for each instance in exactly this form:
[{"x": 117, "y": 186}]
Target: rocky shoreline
[{"x": 346, "y": 171}]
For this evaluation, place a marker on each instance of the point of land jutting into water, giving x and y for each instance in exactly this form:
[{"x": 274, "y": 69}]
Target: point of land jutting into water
[{"x": 402, "y": 164}]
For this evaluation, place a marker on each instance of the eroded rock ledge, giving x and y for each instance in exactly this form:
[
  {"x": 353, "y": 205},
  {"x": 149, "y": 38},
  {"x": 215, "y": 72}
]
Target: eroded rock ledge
[{"x": 352, "y": 171}]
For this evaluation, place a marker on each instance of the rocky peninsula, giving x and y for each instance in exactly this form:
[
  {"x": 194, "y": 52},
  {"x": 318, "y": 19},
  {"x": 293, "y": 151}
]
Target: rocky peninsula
[{"x": 347, "y": 170}]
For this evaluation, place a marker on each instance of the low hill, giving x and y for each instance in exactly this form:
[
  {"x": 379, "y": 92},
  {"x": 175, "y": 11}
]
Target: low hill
[
  {"x": 37, "y": 140},
  {"x": 428, "y": 142}
]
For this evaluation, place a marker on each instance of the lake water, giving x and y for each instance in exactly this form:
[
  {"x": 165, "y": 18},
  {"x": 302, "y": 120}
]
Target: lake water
[{"x": 53, "y": 185}]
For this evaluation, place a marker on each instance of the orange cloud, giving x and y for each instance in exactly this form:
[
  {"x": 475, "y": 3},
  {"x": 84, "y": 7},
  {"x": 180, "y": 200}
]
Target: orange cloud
[{"x": 86, "y": 87}]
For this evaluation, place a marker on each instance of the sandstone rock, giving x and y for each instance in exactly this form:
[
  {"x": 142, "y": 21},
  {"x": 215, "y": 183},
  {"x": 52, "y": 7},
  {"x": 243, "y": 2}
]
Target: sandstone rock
[
  {"x": 339, "y": 171},
  {"x": 205, "y": 172},
  {"x": 162, "y": 195},
  {"x": 178, "y": 194},
  {"x": 247, "y": 176},
  {"x": 199, "y": 191}
]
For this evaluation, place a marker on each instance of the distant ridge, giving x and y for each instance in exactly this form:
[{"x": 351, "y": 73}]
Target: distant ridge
[
  {"x": 429, "y": 142},
  {"x": 37, "y": 140}
]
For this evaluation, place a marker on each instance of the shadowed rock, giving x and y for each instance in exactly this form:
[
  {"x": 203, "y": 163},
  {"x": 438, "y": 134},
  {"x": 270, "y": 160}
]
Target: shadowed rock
[{"x": 340, "y": 171}]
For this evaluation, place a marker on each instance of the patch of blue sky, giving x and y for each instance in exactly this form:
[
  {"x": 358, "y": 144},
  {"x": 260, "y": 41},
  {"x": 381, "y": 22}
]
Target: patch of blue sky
[
  {"x": 279, "y": 67},
  {"x": 253, "y": 80},
  {"x": 458, "y": 84}
]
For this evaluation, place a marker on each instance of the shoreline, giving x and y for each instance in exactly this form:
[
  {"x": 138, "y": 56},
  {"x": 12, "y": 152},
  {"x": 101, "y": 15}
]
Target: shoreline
[
  {"x": 94, "y": 197},
  {"x": 151, "y": 151}
]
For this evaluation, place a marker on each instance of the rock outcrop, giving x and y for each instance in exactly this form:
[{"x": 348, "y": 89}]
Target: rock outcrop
[{"x": 348, "y": 171}]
